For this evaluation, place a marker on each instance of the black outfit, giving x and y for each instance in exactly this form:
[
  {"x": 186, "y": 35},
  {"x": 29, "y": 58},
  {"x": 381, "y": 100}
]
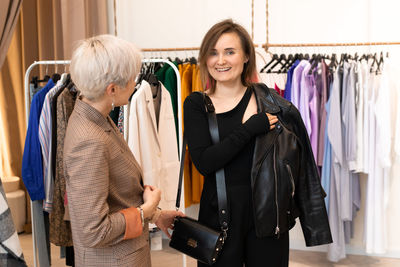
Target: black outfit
[
  {"x": 234, "y": 153},
  {"x": 271, "y": 178}
]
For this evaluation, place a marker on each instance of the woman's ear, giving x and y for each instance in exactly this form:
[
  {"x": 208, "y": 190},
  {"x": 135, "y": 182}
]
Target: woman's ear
[{"x": 110, "y": 89}]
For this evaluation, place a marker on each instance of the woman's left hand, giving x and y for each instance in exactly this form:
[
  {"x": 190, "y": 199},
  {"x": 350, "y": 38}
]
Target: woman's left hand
[{"x": 166, "y": 220}]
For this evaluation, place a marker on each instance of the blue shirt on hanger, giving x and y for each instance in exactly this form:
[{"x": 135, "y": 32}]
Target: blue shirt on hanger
[
  {"x": 32, "y": 167},
  {"x": 287, "y": 95}
]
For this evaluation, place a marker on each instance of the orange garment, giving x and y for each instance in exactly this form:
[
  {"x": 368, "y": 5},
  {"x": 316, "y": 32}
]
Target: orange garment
[
  {"x": 197, "y": 85},
  {"x": 186, "y": 89},
  {"x": 197, "y": 178}
]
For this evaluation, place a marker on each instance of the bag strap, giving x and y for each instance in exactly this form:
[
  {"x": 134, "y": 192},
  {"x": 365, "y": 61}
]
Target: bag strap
[
  {"x": 178, "y": 195},
  {"x": 223, "y": 213}
]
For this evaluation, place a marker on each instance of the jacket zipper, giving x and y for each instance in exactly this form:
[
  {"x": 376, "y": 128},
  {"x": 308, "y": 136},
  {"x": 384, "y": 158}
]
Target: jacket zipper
[
  {"x": 291, "y": 179},
  {"x": 277, "y": 230}
]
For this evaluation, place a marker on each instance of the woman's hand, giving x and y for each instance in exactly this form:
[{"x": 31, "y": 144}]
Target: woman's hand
[
  {"x": 151, "y": 198},
  {"x": 166, "y": 220},
  {"x": 272, "y": 120}
]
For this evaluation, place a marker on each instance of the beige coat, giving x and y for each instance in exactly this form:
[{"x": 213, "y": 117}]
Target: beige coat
[
  {"x": 155, "y": 145},
  {"x": 102, "y": 178}
]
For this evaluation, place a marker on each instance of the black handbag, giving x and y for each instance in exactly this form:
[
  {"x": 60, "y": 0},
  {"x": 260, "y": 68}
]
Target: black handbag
[{"x": 190, "y": 236}]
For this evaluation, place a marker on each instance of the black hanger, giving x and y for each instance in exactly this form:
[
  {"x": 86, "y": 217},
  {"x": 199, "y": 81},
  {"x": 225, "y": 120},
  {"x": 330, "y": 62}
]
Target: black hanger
[
  {"x": 315, "y": 60},
  {"x": 152, "y": 79},
  {"x": 379, "y": 64},
  {"x": 55, "y": 77},
  {"x": 178, "y": 60},
  {"x": 281, "y": 58},
  {"x": 374, "y": 60},
  {"x": 34, "y": 81},
  {"x": 157, "y": 66},
  {"x": 274, "y": 57},
  {"x": 193, "y": 60},
  {"x": 333, "y": 64},
  {"x": 285, "y": 68}
]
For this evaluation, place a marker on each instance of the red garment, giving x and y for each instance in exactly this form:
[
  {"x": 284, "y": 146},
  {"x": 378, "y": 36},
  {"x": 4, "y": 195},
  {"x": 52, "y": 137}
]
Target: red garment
[{"x": 280, "y": 92}]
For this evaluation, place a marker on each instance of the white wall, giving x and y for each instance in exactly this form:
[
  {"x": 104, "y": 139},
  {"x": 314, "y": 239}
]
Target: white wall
[{"x": 161, "y": 23}]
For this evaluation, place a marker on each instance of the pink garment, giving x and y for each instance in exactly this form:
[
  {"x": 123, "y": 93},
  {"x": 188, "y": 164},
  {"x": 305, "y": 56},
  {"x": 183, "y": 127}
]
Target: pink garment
[{"x": 280, "y": 91}]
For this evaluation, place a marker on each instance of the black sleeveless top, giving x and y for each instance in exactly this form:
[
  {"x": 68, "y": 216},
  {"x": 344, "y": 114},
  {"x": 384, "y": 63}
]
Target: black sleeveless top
[{"x": 237, "y": 171}]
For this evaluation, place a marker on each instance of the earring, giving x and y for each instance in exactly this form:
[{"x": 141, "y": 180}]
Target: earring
[{"x": 112, "y": 105}]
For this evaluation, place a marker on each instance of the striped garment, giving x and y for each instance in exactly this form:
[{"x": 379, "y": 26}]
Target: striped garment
[
  {"x": 10, "y": 248},
  {"x": 45, "y": 143}
]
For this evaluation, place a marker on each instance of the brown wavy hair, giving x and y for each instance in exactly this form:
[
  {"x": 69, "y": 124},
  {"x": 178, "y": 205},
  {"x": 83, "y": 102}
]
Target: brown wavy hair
[{"x": 208, "y": 43}]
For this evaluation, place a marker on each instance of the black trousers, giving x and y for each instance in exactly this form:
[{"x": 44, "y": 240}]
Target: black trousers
[{"x": 243, "y": 248}]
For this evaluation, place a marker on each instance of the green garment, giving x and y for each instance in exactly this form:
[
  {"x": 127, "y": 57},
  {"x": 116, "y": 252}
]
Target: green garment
[{"x": 166, "y": 75}]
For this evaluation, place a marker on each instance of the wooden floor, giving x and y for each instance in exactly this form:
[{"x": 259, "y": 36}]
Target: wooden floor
[{"x": 170, "y": 258}]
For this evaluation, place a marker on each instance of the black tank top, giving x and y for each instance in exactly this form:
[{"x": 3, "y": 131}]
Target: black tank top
[{"x": 238, "y": 170}]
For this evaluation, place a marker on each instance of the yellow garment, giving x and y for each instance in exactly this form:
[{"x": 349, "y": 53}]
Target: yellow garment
[
  {"x": 186, "y": 88},
  {"x": 197, "y": 178},
  {"x": 193, "y": 180},
  {"x": 196, "y": 83}
]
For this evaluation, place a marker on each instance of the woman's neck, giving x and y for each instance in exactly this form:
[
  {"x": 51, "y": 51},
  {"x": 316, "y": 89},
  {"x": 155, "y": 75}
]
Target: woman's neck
[
  {"x": 101, "y": 105},
  {"x": 231, "y": 90}
]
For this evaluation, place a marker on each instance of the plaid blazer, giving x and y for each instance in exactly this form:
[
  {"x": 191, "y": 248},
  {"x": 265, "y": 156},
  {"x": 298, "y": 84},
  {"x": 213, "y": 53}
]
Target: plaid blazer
[{"x": 102, "y": 178}]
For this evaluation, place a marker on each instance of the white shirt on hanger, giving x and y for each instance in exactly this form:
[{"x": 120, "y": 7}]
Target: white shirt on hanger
[
  {"x": 155, "y": 146},
  {"x": 359, "y": 118}
]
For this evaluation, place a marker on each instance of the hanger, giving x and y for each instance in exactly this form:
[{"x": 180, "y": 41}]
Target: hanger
[
  {"x": 374, "y": 60},
  {"x": 379, "y": 64},
  {"x": 281, "y": 58},
  {"x": 315, "y": 60},
  {"x": 152, "y": 79},
  {"x": 334, "y": 63},
  {"x": 289, "y": 62},
  {"x": 274, "y": 57}
]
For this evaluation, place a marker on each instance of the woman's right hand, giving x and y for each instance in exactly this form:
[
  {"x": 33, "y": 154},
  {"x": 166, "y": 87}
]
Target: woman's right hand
[
  {"x": 151, "y": 198},
  {"x": 272, "y": 120}
]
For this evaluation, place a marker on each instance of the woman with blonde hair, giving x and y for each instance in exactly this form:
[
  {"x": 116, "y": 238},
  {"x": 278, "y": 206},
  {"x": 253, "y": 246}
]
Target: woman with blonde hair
[{"x": 108, "y": 204}]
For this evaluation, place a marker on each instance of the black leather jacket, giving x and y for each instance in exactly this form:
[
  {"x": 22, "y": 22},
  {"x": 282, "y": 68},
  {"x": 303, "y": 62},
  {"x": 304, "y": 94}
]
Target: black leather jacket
[{"x": 289, "y": 187}]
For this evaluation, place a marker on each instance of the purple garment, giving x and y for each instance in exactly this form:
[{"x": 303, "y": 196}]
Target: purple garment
[
  {"x": 321, "y": 83},
  {"x": 309, "y": 107},
  {"x": 288, "y": 88},
  {"x": 296, "y": 80}
]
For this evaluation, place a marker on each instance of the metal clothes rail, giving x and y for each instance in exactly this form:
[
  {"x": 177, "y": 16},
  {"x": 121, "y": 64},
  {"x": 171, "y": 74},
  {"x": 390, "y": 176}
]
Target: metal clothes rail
[
  {"x": 27, "y": 109},
  {"x": 267, "y": 45}
]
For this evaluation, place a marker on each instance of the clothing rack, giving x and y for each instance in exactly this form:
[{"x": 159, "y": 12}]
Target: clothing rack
[
  {"x": 268, "y": 45},
  {"x": 67, "y": 62},
  {"x": 27, "y": 109}
]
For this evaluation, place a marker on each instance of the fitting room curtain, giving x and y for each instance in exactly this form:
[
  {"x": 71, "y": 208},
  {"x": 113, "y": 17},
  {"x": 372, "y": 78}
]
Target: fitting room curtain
[
  {"x": 44, "y": 30},
  {"x": 9, "y": 11}
]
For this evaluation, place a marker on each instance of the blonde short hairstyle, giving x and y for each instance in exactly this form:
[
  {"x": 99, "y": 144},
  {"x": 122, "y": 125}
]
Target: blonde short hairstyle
[{"x": 101, "y": 60}]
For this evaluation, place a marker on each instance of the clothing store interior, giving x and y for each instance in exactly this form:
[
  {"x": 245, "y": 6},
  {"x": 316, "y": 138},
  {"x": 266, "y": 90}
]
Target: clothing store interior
[{"x": 335, "y": 61}]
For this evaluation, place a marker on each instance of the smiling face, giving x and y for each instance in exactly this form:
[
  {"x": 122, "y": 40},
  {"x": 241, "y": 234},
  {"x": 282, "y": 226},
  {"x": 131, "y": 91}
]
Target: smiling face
[{"x": 226, "y": 60}]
